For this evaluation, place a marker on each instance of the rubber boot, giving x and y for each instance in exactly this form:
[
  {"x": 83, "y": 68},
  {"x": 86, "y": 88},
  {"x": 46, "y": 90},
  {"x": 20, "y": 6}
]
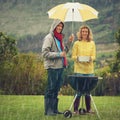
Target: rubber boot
[
  {"x": 76, "y": 104},
  {"x": 56, "y": 106},
  {"x": 49, "y": 107}
]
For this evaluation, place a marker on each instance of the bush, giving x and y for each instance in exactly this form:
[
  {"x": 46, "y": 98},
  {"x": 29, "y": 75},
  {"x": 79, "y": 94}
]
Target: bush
[{"x": 23, "y": 75}]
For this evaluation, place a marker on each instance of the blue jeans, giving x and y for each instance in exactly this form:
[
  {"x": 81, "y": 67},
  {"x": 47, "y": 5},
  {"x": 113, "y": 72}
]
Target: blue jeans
[
  {"x": 55, "y": 81},
  {"x": 86, "y": 75}
]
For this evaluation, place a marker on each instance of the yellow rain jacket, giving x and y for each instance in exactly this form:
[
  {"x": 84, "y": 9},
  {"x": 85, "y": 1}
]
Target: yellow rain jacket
[{"x": 84, "y": 48}]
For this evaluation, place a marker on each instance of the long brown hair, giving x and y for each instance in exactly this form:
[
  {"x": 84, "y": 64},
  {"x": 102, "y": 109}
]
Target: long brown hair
[{"x": 79, "y": 33}]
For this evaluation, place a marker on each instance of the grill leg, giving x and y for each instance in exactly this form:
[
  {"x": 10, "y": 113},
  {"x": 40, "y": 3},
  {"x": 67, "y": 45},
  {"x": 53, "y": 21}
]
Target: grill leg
[
  {"x": 95, "y": 107},
  {"x": 73, "y": 102}
]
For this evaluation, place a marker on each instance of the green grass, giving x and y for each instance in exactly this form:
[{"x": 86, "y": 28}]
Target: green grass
[{"x": 32, "y": 108}]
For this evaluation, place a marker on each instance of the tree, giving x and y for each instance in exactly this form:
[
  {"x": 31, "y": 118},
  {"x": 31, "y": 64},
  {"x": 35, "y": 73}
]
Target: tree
[
  {"x": 8, "y": 47},
  {"x": 116, "y": 64}
]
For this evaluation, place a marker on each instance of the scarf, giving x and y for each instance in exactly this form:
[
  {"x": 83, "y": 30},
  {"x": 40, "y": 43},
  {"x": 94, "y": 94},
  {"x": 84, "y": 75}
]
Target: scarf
[{"x": 59, "y": 36}]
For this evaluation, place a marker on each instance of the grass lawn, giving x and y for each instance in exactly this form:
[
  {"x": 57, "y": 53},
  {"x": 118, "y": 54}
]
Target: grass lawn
[{"x": 32, "y": 108}]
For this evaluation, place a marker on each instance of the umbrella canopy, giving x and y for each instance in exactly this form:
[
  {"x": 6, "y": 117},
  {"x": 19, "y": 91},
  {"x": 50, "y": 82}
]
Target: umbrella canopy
[{"x": 73, "y": 11}]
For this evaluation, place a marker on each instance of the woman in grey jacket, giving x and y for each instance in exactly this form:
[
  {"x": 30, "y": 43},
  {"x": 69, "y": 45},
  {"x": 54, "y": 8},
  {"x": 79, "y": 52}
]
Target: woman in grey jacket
[{"x": 54, "y": 53}]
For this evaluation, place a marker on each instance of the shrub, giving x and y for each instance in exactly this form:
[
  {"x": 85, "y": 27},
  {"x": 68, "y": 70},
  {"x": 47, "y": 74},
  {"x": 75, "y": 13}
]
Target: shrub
[{"x": 24, "y": 75}]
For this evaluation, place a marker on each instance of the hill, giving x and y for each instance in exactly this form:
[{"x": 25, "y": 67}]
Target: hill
[{"x": 28, "y": 21}]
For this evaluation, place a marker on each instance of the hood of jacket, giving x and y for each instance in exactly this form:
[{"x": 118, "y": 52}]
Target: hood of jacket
[{"x": 54, "y": 25}]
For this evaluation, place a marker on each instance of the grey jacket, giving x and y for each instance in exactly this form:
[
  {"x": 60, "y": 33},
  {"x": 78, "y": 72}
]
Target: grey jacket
[{"x": 50, "y": 51}]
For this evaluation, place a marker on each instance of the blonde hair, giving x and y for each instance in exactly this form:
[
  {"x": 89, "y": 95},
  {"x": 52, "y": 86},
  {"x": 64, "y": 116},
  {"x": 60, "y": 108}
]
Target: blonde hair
[{"x": 79, "y": 33}]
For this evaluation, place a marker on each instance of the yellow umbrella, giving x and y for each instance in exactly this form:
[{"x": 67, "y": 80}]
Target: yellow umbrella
[{"x": 73, "y": 11}]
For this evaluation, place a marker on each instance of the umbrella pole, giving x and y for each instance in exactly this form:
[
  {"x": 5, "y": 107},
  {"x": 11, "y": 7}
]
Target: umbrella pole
[
  {"x": 72, "y": 20},
  {"x": 72, "y": 27}
]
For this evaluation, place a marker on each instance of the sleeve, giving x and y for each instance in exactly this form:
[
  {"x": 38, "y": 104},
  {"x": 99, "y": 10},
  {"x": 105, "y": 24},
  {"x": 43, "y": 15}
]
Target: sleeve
[
  {"x": 74, "y": 52},
  {"x": 47, "y": 51},
  {"x": 93, "y": 55}
]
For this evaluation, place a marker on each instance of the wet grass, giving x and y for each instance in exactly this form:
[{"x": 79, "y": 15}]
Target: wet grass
[{"x": 32, "y": 108}]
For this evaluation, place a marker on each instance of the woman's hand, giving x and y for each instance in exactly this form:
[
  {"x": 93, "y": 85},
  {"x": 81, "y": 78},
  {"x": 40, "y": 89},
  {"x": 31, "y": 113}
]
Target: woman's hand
[{"x": 90, "y": 59}]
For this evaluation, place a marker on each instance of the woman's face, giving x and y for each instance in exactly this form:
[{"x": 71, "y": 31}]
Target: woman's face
[
  {"x": 84, "y": 33},
  {"x": 59, "y": 28}
]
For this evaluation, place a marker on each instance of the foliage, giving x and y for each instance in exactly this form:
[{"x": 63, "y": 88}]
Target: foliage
[
  {"x": 24, "y": 75},
  {"x": 112, "y": 84},
  {"x": 30, "y": 43},
  {"x": 115, "y": 67},
  {"x": 109, "y": 83},
  {"x": 66, "y": 90},
  {"x": 8, "y": 47}
]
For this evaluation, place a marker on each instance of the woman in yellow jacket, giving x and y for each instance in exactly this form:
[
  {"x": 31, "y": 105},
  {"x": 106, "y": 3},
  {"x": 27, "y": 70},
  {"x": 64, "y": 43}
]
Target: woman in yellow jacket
[{"x": 84, "y": 47}]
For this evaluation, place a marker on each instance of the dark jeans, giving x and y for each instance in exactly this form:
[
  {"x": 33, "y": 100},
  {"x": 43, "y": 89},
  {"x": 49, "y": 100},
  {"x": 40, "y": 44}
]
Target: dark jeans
[{"x": 55, "y": 81}]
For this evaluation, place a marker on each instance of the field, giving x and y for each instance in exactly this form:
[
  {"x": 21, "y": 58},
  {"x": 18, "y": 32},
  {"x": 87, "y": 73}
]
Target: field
[{"x": 32, "y": 108}]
